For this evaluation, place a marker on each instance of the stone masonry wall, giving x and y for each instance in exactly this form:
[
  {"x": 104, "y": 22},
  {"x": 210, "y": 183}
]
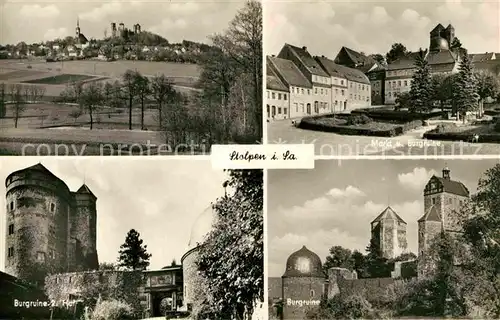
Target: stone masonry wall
[
  {"x": 39, "y": 219},
  {"x": 194, "y": 285},
  {"x": 300, "y": 295}
]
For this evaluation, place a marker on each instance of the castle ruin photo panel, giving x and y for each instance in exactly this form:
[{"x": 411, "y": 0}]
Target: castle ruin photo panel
[
  {"x": 399, "y": 239},
  {"x": 96, "y": 239},
  {"x": 384, "y": 78},
  {"x": 129, "y": 77}
]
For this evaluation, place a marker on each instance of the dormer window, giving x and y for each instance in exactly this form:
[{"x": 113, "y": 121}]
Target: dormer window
[{"x": 52, "y": 208}]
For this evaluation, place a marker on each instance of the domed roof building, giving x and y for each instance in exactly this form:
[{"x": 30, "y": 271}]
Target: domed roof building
[
  {"x": 304, "y": 263},
  {"x": 303, "y": 283}
]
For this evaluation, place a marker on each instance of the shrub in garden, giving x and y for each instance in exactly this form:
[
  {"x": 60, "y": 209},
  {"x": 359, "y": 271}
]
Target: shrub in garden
[
  {"x": 112, "y": 310},
  {"x": 344, "y": 307},
  {"x": 358, "y": 119}
]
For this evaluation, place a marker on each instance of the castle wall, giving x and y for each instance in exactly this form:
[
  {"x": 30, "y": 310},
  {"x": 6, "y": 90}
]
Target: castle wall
[
  {"x": 194, "y": 284},
  {"x": 388, "y": 238},
  {"x": 39, "y": 219},
  {"x": 402, "y": 240},
  {"x": 452, "y": 205},
  {"x": 301, "y": 294},
  {"x": 123, "y": 285},
  {"x": 427, "y": 233}
]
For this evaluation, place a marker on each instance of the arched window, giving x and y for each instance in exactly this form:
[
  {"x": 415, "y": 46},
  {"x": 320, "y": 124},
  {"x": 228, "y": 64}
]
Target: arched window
[
  {"x": 308, "y": 108},
  {"x": 312, "y": 293},
  {"x": 316, "y": 108}
]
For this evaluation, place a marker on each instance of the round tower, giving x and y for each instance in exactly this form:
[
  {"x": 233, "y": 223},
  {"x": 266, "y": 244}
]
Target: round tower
[
  {"x": 194, "y": 284},
  {"x": 303, "y": 283},
  {"x": 38, "y": 205},
  {"x": 83, "y": 233}
]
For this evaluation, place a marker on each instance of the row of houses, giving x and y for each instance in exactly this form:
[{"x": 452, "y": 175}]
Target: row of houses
[{"x": 299, "y": 84}]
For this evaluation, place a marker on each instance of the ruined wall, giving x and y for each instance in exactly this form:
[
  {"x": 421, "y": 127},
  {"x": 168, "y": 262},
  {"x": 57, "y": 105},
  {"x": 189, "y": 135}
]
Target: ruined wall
[
  {"x": 301, "y": 294},
  {"x": 37, "y": 215},
  {"x": 341, "y": 281},
  {"x": 121, "y": 285}
]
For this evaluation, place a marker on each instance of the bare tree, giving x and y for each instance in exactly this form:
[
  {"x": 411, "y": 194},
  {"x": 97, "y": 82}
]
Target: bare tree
[
  {"x": 16, "y": 94},
  {"x": 162, "y": 92},
  {"x": 91, "y": 98},
  {"x": 143, "y": 90},
  {"x": 130, "y": 92}
]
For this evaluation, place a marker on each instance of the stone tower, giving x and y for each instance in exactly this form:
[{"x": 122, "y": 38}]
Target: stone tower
[
  {"x": 390, "y": 231},
  {"x": 113, "y": 29},
  {"x": 443, "y": 198},
  {"x": 449, "y": 34},
  {"x": 44, "y": 223},
  {"x": 83, "y": 229},
  {"x": 438, "y": 39}
]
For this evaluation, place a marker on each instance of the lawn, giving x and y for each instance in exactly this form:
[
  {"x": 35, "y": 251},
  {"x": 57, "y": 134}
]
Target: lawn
[
  {"x": 373, "y": 125},
  {"x": 60, "y": 79},
  {"x": 485, "y": 132}
]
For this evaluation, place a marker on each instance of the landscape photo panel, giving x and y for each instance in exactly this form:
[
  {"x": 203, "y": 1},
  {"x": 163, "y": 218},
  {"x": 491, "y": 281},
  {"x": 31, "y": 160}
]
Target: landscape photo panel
[{"x": 129, "y": 77}]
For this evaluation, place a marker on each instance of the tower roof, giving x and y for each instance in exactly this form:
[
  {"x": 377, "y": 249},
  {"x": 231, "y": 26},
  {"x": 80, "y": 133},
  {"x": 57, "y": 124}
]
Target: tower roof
[
  {"x": 431, "y": 215},
  {"x": 387, "y": 214},
  {"x": 84, "y": 189},
  {"x": 304, "y": 263},
  {"x": 451, "y": 186},
  {"x": 37, "y": 167},
  {"x": 439, "y": 27}
]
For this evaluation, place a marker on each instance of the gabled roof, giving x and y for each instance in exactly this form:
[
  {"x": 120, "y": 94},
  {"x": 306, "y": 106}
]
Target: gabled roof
[
  {"x": 451, "y": 186},
  {"x": 84, "y": 189},
  {"x": 307, "y": 60},
  {"x": 406, "y": 62},
  {"x": 388, "y": 214},
  {"x": 363, "y": 62},
  {"x": 273, "y": 82},
  {"x": 439, "y": 27},
  {"x": 431, "y": 215},
  {"x": 289, "y": 73},
  {"x": 329, "y": 66},
  {"x": 350, "y": 74}
]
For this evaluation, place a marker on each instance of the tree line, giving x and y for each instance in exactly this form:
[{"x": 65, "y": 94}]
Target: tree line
[
  {"x": 17, "y": 96},
  {"x": 464, "y": 91}
]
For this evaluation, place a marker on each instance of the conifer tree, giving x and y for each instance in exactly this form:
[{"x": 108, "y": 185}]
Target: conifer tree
[
  {"x": 465, "y": 96},
  {"x": 133, "y": 254},
  {"x": 421, "y": 90}
]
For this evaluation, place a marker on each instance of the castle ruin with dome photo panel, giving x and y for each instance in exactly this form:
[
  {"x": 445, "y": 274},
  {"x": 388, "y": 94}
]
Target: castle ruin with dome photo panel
[{"x": 304, "y": 282}]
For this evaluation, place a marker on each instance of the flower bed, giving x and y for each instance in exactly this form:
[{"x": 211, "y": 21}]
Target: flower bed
[
  {"x": 359, "y": 125},
  {"x": 485, "y": 133},
  {"x": 405, "y": 116}
]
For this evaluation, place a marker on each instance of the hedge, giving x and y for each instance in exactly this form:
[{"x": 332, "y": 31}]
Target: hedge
[
  {"x": 404, "y": 116},
  {"x": 463, "y": 136},
  {"x": 309, "y": 124}
]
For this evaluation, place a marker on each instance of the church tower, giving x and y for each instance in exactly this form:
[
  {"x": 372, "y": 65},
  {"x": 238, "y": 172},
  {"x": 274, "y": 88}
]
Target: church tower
[
  {"x": 389, "y": 230},
  {"x": 77, "y": 28},
  {"x": 443, "y": 198}
]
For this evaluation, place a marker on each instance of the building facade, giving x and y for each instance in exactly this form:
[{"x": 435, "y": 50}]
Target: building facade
[
  {"x": 300, "y": 88},
  {"x": 49, "y": 228},
  {"x": 278, "y": 96},
  {"x": 443, "y": 198},
  {"x": 320, "y": 80},
  {"x": 389, "y": 230}
]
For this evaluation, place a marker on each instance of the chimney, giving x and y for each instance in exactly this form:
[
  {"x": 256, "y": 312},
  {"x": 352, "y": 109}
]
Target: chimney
[
  {"x": 322, "y": 56},
  {"x": 304, "y": 48},
  {"x": 273, "y": 55}
]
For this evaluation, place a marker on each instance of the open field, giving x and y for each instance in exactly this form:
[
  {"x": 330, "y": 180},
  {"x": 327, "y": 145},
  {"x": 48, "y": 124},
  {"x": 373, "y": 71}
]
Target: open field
[
  {"x": 60, "y": 79},
  {"x": 114, "y": 69}
]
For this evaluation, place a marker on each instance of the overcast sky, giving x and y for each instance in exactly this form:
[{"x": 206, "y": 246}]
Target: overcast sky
[
  {"x": 334, "y": 205},
  {"x": 373, "y": 26},
  {"x": 175, "y": 20},
  {"x": 161, "y": 199}
]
